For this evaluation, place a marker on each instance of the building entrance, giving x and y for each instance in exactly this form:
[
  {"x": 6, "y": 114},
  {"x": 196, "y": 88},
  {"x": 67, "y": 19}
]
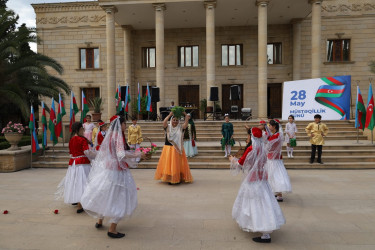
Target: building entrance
[
  {"x": 274, "y": 97},
  {"x": 188, "y": 97},
  {"x": 227, "y": 104}
]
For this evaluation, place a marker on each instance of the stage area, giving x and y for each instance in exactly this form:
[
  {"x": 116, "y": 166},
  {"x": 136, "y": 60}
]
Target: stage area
[{"x": 328, "y": 209}]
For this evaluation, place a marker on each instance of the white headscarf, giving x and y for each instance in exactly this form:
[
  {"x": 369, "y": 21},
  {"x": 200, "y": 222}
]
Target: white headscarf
[{"x": 175, "y": 136}]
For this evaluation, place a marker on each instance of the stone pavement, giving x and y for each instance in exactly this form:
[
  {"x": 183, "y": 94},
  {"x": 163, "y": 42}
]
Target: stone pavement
[{"x": 328, "y": 209}]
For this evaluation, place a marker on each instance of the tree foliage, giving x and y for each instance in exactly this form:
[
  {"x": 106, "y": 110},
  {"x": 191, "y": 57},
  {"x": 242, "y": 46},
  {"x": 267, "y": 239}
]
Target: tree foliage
[{"x": 24, "y": 75}]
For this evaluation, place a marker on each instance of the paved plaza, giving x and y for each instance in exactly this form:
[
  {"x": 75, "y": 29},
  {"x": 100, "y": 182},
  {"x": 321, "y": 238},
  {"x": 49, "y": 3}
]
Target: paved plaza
[{"x": 328, "y": 209}]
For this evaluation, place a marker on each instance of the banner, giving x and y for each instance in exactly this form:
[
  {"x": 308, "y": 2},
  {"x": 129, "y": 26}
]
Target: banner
[{"x": 329, "y": 97}]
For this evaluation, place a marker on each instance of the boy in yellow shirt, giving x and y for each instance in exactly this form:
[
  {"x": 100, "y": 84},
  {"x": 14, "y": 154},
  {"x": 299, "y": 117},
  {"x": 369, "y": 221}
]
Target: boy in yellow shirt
[
  {"x": 316, "y": 131},
  {"x": 134, "y": 135}
]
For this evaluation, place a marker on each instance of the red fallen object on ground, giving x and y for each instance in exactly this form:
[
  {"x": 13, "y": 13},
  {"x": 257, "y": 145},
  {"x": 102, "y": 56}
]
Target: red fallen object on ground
[
  {"x": 56, "y": 211},
  {"x": 5, "y": 212}
]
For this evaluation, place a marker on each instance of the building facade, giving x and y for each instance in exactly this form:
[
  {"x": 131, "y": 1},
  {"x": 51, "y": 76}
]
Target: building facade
[{"x": 185, "y": 47}]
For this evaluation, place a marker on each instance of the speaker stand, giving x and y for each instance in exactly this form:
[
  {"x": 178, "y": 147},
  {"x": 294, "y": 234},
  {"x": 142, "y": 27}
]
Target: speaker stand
[{"x": 214, "y": 110}]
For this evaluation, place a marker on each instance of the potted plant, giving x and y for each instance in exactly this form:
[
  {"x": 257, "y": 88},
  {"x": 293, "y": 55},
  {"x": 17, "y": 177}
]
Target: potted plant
[
  {"x": 13, "y": 133},
  {"x": 203, "y": 106},
  {"x": 96, "y": 103}
]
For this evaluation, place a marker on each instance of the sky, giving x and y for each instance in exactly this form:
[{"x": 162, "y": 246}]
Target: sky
[{"x": 26, "y": 12}]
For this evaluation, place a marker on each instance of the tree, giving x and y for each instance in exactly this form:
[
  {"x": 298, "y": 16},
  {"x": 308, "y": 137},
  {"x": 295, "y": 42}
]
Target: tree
[{"x": 24, "y": 75}]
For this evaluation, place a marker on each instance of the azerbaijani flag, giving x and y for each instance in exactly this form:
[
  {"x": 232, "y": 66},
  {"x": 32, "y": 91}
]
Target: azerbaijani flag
[
  {"x": 360, "y": 111},
  {"x": 34, "y": 139},
  {"x": 44, "y": 123},
  {"x": 60, "y": 113},
  {"x": 118, "y": 99},
  {"x": 370, "y": 117},
  {"x": 127, "y": 99},
  {"x": 85, "y": 107},
  {"x": 52, "y": 122},
  {"x": 139, "y": 100},
  {"x": 148, "y": 100},
  {"x": 73, "y": 108}
]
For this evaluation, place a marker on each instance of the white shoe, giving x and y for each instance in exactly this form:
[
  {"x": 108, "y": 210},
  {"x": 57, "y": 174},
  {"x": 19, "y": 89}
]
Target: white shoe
[{"x": 291, "y": 156}]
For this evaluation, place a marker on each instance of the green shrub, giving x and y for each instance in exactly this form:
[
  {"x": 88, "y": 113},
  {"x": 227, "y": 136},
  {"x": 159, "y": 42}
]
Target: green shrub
[{"x": 23, "y": 142}]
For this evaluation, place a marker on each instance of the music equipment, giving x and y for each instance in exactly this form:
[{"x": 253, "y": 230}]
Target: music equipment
[
  {"x": 155, "y": 94},
  {"x": 214, "y": 94}
]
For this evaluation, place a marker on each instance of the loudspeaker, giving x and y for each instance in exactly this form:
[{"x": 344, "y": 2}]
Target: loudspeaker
[
  {"x": 155, "y": 94},
  {"x": 214, "y": 94},
  {"x": 123, "y": 92},
  {"x": 235, "y": 93}
]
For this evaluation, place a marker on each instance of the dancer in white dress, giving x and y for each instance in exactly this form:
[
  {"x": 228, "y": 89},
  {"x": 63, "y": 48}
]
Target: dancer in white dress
[
  {"x": 277, "y": 175},
  {"x": 190, "y": 137},
  {"x": 255, "y": 208},
  {"x": 73, "y": 184},
  {"x": 290, "y": 133},
  {"x": 111, "y": 191}
]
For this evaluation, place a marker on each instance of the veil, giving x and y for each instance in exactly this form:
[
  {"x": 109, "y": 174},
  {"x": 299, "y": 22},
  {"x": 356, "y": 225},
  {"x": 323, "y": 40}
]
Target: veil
[
  {"x": 274, "y": 147},
  {"x": 112, "y": 154},
  {"x": 253, "y": 165}
]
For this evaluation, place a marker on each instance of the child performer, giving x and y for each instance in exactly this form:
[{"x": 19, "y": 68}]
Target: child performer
[
  {"x": 290, "y": 133},
  {"x": 173, "y": 166},
  {"x": 96, "y": 130},
  {"x": 111, "y": 191},
  {"x": 134, "y": 135},
  {"x": 277, "y": 175},
  {"x": 227, "y": 141},
  {"x": 100, "y": 136},
  {"x": 190, "y": 136},
  {"x": 316, "y": 131},
  {"x": 74, "y": 182},
  {"x": 255, "y": 208},
  {"x": 88, "y": 126}
]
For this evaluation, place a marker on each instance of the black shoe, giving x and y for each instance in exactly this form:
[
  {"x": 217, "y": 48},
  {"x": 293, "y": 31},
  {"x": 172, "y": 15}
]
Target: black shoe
[
  {"x": 97, "y": 225},
  {"x": 118, "y": 235},
  {"x": 260, "y": 240},
  {"x": 79, "y": 210},
  {"x": 279, "y": 200},
  {"x": 320, "y": 162},
  {"x": 311, "y": 162},
  {"x": 74, "y": 204}
]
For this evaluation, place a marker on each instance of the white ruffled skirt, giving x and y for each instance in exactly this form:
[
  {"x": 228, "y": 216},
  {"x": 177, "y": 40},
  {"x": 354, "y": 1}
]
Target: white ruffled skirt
[
  {"x": 278, "y": 177},
  {"x": 74, "y": 183},
  {"x": 256, "y": 209},
  {"x": 111, "y": 194},
  {"x": 190, "y": 151}
]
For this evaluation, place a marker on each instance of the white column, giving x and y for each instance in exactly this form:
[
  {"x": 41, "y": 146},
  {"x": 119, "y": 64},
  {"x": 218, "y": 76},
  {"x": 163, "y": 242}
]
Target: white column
[
  {"x": 315, "y": 37},
  {"x": 159, "y": 37},
  {"x": 210, "y": 47},
  {"x": 111, "y": 59},
  {"x": 296, "y": 48},
  {"x": 262, "y": 58},
  {"x": 127, "y": 54}
]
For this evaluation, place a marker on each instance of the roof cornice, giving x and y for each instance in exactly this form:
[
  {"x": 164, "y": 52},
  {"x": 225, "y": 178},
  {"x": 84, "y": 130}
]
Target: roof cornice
[{"x": 63, "y": 7}]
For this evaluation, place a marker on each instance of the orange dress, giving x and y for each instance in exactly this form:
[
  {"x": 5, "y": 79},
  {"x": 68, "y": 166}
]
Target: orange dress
[{"x": 173, "y": 166}]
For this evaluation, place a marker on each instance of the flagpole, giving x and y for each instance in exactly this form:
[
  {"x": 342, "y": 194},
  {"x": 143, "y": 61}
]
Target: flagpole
[{"x": 31, "y": 138}]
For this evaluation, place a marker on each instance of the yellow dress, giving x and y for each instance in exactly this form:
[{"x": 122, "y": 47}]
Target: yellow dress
[
  {"x": 94, "y": 133},
  {"x": 173, "y": 166},
  {"x": 134, "y": 134},
  {"x": 317, "y": 129}
]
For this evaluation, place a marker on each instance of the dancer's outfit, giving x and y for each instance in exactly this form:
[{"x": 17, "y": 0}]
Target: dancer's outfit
[
  {"x": 99, "y": 139},
  {"x": 290, "y": 128},
  {"x": 88, "y": 130},
  {"x": 227, "y": 141},
  {"x": 135, "y": 137},
  {"x": 190, "y": 136},
  {"x": 255, "y": 208},
  {"x": 317, "y": 141},
  {"x": 111, "y": 191},
  {"x": 173, "y": 166},
  {"x": 277, "y": 175},
  {"x": 74, "y": 183}
]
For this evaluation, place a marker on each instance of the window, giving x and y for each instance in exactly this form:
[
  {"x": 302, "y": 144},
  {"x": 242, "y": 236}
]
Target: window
[
  {"x": 338, "y": 50},
  {"x": 231, "y": 55},
  {"x": 188, "y": 56},
  {"x": 89, "y": 58},
  {"x": 274, "y": 53},
  {"x": 90, "y": 93},
  {"x": 148, "y": 57}
]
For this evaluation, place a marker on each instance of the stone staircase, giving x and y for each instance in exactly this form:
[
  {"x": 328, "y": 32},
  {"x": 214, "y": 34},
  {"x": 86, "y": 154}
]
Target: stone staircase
[{"x": 340, "y": 151}]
